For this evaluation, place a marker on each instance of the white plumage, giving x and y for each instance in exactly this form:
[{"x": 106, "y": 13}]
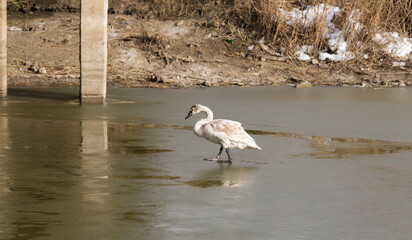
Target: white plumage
[{"x": 227, "y": 133}]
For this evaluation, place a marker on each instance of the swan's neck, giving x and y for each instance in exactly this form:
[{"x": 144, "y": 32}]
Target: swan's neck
[
  {"x": 209, "y": 114},
  {"x": 198, "y": 126}
]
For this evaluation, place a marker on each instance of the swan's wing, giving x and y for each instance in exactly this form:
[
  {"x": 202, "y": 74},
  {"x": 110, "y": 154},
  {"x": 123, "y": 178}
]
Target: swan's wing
[{"x": 226, "y": 130}]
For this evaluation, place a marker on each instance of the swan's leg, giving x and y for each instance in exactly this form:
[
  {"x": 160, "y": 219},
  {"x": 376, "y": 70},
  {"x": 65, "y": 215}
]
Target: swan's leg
[
  {"x": 228, "y": 155},
  {"x": 229, "y": 158},
  {"x": 217, "y": 157}
]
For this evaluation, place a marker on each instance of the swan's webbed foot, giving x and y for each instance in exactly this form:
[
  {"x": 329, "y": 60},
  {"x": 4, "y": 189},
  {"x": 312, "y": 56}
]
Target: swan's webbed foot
[
  {"x": 212, "y": 159},
  {"x": 217, "y": 158}
]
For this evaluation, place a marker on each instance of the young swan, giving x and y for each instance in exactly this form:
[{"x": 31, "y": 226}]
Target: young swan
[{"x": 227, "y": 133}]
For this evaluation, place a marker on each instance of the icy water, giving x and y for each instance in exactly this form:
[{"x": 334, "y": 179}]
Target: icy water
[{"x": 336, "y": 164}]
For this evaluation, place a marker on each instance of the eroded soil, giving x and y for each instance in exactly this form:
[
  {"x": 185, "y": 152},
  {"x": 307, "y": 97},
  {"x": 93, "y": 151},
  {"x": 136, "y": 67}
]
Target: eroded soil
[{"x": 43, "y": 50}]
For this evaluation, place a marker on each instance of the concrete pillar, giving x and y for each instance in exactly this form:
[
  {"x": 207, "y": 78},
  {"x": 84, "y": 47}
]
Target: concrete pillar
[
  {"x": 3, "y": 48},
  {"x": 93, "y": 50}
]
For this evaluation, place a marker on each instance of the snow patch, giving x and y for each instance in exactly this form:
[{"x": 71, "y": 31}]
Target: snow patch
[
  {"x": 336, "y": 42},
  {"x": 303, "y": 52},
  {"x": 308, "y": 16},
  {"x": 399, "y": 64},
  {"x": 395, "y": 45}
]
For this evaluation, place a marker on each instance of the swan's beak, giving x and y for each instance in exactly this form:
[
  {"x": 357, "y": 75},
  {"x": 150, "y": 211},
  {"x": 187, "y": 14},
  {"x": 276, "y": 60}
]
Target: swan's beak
[{"x": 189, "y": 115}]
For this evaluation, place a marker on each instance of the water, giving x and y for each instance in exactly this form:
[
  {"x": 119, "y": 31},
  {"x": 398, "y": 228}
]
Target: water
[{"x": 335, "y": 165}]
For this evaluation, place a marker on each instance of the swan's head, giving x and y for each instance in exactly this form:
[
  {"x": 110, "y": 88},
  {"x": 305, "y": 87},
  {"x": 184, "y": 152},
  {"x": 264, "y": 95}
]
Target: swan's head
[{"x": 197, "y": 108}]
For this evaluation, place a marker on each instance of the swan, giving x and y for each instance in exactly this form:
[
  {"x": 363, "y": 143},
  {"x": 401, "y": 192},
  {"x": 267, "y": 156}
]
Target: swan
[{"x": 227, "y": 133}]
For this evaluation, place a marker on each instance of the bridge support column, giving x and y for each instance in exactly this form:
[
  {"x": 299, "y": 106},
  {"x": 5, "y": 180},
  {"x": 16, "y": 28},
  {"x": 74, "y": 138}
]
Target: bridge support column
[
  {"x": 3, "y": 48},
  {"x": 93, "y": 50}
]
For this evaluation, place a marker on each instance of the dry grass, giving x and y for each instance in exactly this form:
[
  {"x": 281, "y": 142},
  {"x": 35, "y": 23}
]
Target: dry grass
[
  {"x": 162, "y": 9},
  {"x": 19, "y": 4},
  {"x": 264, "y": 17},
  {"x": 254, "y": 19}
]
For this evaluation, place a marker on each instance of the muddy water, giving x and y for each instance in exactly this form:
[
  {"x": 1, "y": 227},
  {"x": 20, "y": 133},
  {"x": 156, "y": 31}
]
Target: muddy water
[{"x": 336, "y": 164}]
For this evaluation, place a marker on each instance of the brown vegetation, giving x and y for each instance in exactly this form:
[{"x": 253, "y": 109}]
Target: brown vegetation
[
  {"x": 375, "y": 16},
  {"x": 184, "y": 43},
  {"x": 262, "y": 18}
]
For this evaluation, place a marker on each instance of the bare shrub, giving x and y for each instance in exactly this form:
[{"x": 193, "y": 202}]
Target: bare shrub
[{"x": 359, "y": 20}]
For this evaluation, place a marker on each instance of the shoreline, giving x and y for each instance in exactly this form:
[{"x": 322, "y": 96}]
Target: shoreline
[{"x": 43, "y": 50}]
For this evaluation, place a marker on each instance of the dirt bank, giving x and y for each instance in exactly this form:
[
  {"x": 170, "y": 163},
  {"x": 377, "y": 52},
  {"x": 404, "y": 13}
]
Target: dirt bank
[{"x": 43, "y": 50}]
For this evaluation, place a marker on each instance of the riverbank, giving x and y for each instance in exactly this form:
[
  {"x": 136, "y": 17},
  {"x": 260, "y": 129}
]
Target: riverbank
[{"x": 43, "y": 50}]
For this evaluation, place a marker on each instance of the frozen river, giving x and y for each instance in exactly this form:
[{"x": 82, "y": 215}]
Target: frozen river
[{"x": 336, "y": 164}]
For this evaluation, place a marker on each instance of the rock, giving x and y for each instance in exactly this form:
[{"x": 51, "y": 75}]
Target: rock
[
  {"x": 15, "y": 29},
  {"x": 188, "y": 59},
  {"x": 157, "y": 78},
  {"x": 398, "y": 83},
  {"x": 33, "y": 68},
  {"x": 28, "y": 63},
  {"x": 304, "y": 84},
  {"x": 208, "y": 35},
  {"x": 41, "y": 70},
  {"x": 236, "y": 82},
  {"x": 35, "y": 64},
  {"x": 365, "y": 84},
  {"x": 208, "y": 83},
  {"x": 315, "y": 62},
  {"x": 35, "y": 26}
]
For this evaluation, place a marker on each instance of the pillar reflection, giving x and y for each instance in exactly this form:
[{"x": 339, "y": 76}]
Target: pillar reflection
[
  {"x": 4, "y": 174},
  {"x": 94, "y": 136},
  {"x": 95, "y": 165}
]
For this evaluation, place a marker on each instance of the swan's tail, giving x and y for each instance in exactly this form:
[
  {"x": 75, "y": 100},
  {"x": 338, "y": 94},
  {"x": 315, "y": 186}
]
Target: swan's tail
[{"x": 255, "y": 146}]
